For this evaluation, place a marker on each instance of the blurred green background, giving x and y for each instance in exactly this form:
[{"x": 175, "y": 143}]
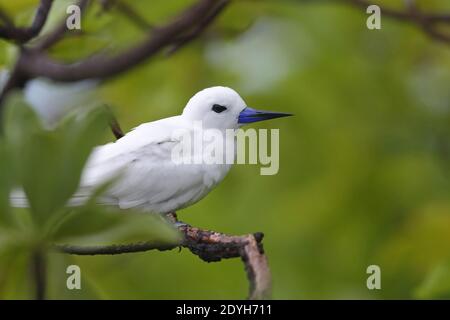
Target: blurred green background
[{"x": 364, "y": 164}]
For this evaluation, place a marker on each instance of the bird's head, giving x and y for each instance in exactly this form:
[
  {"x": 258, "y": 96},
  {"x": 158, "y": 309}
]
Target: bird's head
[{"x": 223, "y": 108}]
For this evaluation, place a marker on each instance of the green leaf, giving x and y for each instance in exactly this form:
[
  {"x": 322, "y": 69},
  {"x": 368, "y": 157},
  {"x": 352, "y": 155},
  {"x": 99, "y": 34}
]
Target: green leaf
[
  {"x": 49, "y": 163},
  {"x": 436, "y": 285},
  {"x": 139, "y": 226},
  {"x": 14, "y": 270},
  {"x": 86, "y": 221},
  {"x": 104, "y": 224},
  {"x": 79, "y": 139},
  {"x": 94, "y": 225},
  {"x": 5, "y": 186}
]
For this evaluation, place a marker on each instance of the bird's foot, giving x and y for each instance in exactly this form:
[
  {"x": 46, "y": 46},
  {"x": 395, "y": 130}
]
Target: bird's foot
[
  {"x": 172, "y": 218},
  {"x": 181, "y": 224}
]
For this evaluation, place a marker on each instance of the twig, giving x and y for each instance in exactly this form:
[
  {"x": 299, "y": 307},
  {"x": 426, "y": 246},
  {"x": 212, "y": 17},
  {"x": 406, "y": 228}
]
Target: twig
[
  {"x": 257, "y": 268},
  {"x": 114, "y": 125},
  {"x": 116, "y": 129},
  {"x": 38, "y": 265},
  {"x": 209, "y": 246},
  {"x": 114, "y": 248},
  {"x": 60, "y": 30},
  {"x": 15, "y": 80},
  {"x": 22, "y": 35}
]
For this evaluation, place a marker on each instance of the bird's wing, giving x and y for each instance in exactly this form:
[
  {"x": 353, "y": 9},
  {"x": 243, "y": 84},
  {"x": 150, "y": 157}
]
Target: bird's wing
[
  {"x": 147, "y": 175},
  {"x": 136, "y": 156}
]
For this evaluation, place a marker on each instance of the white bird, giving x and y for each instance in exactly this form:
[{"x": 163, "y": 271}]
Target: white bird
[{"x": 149, "y": 178}]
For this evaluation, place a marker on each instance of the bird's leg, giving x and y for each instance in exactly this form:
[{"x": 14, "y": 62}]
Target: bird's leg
[{"x": 172, "y": 218}]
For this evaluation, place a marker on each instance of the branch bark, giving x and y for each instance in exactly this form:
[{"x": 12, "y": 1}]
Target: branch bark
[
  {"x": 58, "y": 32},
  {"x": 210, "y": 246},
  {"x": 39, "y": 272},
  {"x": 115, "y": 128},
  {"x": 22, "y": 35}
]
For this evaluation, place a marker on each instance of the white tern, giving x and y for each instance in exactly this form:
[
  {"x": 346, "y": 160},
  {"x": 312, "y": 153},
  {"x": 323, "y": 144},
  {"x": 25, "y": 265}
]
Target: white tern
[{"x": 149, "y": 179}]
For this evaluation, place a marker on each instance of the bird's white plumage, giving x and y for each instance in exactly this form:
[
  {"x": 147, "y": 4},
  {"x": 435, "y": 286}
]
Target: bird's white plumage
[{"x": 149, "y": 179}]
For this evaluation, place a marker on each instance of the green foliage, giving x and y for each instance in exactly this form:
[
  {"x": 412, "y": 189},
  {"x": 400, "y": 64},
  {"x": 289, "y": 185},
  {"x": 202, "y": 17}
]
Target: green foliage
[
  {"x": 436, "y": 285},
  {"x": 5, "y": 185},
  {"x": 364, "y": 165},
  {"x": 47, "y": 165},
  {"x": 94, "y": 225}
]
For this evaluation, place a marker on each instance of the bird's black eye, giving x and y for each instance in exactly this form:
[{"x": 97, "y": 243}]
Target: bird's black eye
[{"x": 218, "y": 108}]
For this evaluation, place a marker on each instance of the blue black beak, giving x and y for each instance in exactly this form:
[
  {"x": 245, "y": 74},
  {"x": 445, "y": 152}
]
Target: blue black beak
[{"x": 249, "y": 115}]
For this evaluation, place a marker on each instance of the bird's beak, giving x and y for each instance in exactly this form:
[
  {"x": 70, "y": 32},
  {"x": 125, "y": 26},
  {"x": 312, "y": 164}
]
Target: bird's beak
[{"x": 249, "y": 115}]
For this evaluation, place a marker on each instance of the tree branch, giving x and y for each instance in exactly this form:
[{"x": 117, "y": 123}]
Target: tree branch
[
  {"x": 39, "y": 272},
  {"x": 428, "y": 22},
  {"x": 116, "y": 129},
  {"x": 59, "y": 31},
  {"x": 209, "y": 246},
  {"x": 114, "y": 125},
  {"x": 15, "y": 80},
  {"x": 22, "y": 35},
  {"x": 35, "y": 64}
]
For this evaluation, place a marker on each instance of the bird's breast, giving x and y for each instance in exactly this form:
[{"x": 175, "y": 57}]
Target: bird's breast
[{"x": 213, "y": 174}]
